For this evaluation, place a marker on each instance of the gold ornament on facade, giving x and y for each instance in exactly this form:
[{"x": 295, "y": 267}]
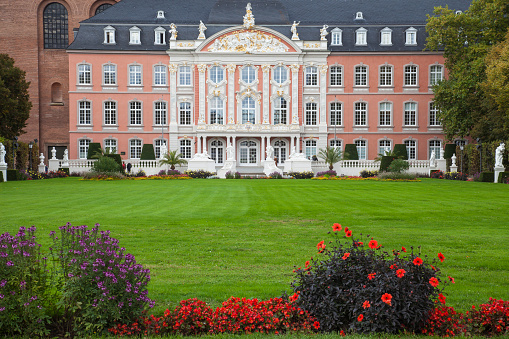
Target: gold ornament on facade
[
  {"x": 266, "y": 68},
  {"x": 231, "y": 68},
  {"x": 295, "y": 68},
  {"x": 173, "y": 68},
  {"x": 249, "y": 19},
  {"x": 202, "y": 68},
  {"x": 323, "y": 69},
  {"x": 245, "y": 41}
]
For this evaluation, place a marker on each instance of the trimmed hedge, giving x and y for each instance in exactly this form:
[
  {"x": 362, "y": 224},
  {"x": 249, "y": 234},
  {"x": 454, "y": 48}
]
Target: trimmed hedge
[
  {"x": 351, "y": 152},
  {"x": 386, "y": 162},
  {"x": 93, "y": 148},
  {"x": 12, "y": 175},
  {"x": 487, "y": 177},
  {"x": 65, "y": 170},
  {"x": 115, "y": 157},
  {"x": 449, "y": 150},
  {"x": 147, "y": 152},
  {"x": 502, "y": 176},
  {"x": 1, "y": 176},
  {"x": 400, "y": 151}
]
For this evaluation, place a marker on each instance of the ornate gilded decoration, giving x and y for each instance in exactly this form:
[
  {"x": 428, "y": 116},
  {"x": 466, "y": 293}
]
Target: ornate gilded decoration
[
  {"x": 323, "y": 68},
  {"x": 323, "y": 32},
  {"x": 202, "y": 28},
  {"x": 249, "y": 19},
  {"x": 231, "y": 68},
  {"x": 295, "y": 35},
  {"x": 295, "y": 68},
  {"x": 173, "y": 68},
  {"x": 266, "y": 68},
  {"x": 248, "y": 42},
  {"x": 173, "y": 31},
  {"x": 307, "y": 45},
  {"x": 202, "y": 68}
]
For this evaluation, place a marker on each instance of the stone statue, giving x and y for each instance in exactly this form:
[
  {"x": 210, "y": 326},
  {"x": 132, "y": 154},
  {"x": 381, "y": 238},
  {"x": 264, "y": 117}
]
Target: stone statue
[
  {"x": 249, "y": 20},
  {"x": 387, "y": 150},
  {"x": 66, "y": 155},
  {"x": 173, "y": 31},
  {"x": 295, "y": 35},
  {"x": 432, "y": 159},
  {"x": 163, "y": 151},
  {"x": 453, "y": 159},
  {"x": 323, "y": 32},
  {"x": 53, "y": 153},
  {"x": 442, "y": 153},
  {"x": 230, "y": 152},
  {"x": 499, "y": 154},
  {"x": 41, "y": 157},
  {"x": 2, "y": 154},
  {"x": 269, "y": 151},
  {"x": 202, "y": 28},
  {"x": 294, "y": 154}
]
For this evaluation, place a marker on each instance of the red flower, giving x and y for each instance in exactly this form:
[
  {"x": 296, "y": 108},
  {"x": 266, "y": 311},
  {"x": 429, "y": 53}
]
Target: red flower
[
  {"x": 394, "y": 266},
  {"x": 336, "y": 227},
  {"x": 441, "y": 298},
  {"x": 348, "y": 234},
  {"x": 346, "y": 255},
  {"x": 342, "y": 333},
  {"x": 294, "y": 297},
  {"x": 451, "y": 279},
  {"x": 373, "y": 244},
  {"x": 366, "y": 304},
  {"x": 316, "y": 325},
  {"x": 433, "y": 268},
  {"x": 360, "y": 317},
  {"x": 386, "y": 298},
  {"x": 320, "y": 246},
  {"x": 417, "y": 261},
  {"x": 346, "y": 229},
  {"x": 433, "y": 281},
  {"x": 400, "y": 273},
  {"x": 371, "y": 276},
  {"x": 403, "y": 249},
  {"x": 441, "y": 257}
]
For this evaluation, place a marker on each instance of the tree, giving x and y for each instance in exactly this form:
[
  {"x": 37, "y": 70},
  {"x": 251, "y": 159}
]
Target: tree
[
  {"x": 172, "y": 158},
  {"x": 330, "y": 155},
  {"x": 466, "y": 38},
  {"x": 15, "y": 102}
]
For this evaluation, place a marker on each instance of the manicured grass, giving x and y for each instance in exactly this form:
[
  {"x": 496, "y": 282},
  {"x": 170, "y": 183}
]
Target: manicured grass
[{"x": 213, "y": 239}]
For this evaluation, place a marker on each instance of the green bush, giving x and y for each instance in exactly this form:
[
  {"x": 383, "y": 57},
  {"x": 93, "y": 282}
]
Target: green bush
[
  {"x": 351, "y": 152},
  {"x": 502, "y": 176},
  {"x": 449, "y": 150},
  {"x": 396, "y": 175},
  {"x": 94, "y": 150},
  {"x": 147, "y": 152},
  {"x": 106, "y": 165},
  {"x": 400, "y": 151},
  {"x": 385, "y": 162},
  {"x": 65, "y": 170},
  {"x": 398, "y": 166},
  {"x": 1, "y": 176},
  {"x": 487, "y": 177},
  {"x": 115, "y": 157},
  {"x": 12, "y": 175}
]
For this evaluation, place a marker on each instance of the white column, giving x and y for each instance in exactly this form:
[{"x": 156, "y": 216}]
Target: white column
[
  {"x": 172, "y": 127},
  {"x": 234, "y": 144},
  {"x": 295, "y": 93},
  {"x": 204, "y": 144},
  {"x": 198, "y": 150},
  {"x": 202, "y": 68},
  {"x": 323, "y": 95},
  {"x": 263, "y": 149},
  {"x": 266, "y": 93},
  {"x": 231, "y": 93},
  {"x": 292, "y": 142}
]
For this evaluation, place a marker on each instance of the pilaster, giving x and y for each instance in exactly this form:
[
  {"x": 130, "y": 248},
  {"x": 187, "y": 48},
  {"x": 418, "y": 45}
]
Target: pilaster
[{"x": 295, "y": 93}]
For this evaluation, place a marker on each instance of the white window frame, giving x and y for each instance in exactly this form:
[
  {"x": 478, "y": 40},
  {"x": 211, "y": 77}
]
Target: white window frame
[
  {"x": 278, "y": 73},
  {"x": 361, "y": 75},
  {"x": 436, "y": 145},
  {"x": 110, "y": 145},
  {"x": 336, "y": 37},
  {"x": 360, "y": 110},
  {"x": 134, "y": 36},
  {"x": 411, "y": 37},
  {"x": 311, "y": 76},
  {"x": 185, "y": 113},
  {"x": 248, "y": 152},
  {"x": 385, "y": 75},
  {"x": 185, "y": 75},
  {"x": 336, "y": 75},
  {"x": 436, "y": 74},
  {"x": 336, "y": 143},
  {"x": 382, "y": 144},
  {"x": 280, "y": 150},
  {"x": 248, "y": 110},
  {"x": 310, "y": 148},
  {"x": 109, "y": 74},
  {"x": 410, "y": 114},
  {"x": 411, "y": 75},
  {"x": 157, "y": 146},
  {"x": 213, "y": 105},
  {"x": 215, "y": 72},
  {"x": 311, "y": 113},
  {"x": 411, "y": 149},
  {"x": 135, "y": 113},
  {"x": 135, "y": 148},
  {"x": 386, "y": 37},
  {"x": 109, "y": 35},
  {"x": 216, "y": 148},
  {"x": 135, "y": 77},
  {"x": 84, "y": 112},
  {"x": 336, "y": 113},
  {"x": 361, "y": 36},
  {"x": 160, "y": 75},
  {"x": 385, "y": 114},
  {"x": 110, "y": 113},
  {"x": 362, "y": 148},
  {"x": 280, "y": 113},
  {"x": 84, "y": 71},
  {"x": 185, "y": 148},
  {"x": 160, "y": 109},
  {"x": 83, "y": 145},
  {"x": 159, "y": 36},
  {"x": 248, "y": 74},
  {"x": 433, "y": 112}
]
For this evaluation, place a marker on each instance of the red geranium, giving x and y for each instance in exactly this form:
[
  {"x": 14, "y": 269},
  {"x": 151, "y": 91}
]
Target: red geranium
[
  {"x": 451, "y": 279},
  {"x": 373, "y": 244},
  {"x": 403, "y": 249},
  {"x": 294, "y": 297},
  {"x": 417, "y": 261},
  {"x": 371, "y": 276},
  {"x": 433, "y": 281},
  {"x": 348, "y": 234},
  {"x": 360, "y": 317},
  {"x": 320, "y": 246},
  {"x": 307, "y": 264},
  {"x": 336, "y": 227},
  {"x": 400, "y": 273},
  {"x": 386, "y": 298},
  {"x": 441, "y": 257},
  {"x": 366, "y": 304},
  {"x": 441, "y": 298},
  {"x": 345, "y": 256}
]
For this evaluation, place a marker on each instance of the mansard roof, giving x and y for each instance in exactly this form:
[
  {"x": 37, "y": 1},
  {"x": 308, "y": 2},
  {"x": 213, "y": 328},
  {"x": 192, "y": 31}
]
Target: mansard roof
[{"x": 274, "y": 14}]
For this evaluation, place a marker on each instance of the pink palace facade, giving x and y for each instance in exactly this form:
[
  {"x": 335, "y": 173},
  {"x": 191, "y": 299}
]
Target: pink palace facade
[{"x": 199, "y": 75}]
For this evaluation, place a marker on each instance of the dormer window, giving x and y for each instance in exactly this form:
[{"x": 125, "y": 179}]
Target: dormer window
[
  {"x": 160, "y": 14},
  {"x": 386, "y": 37},
  {"x": 134, "y": 36},
  {"x": 361, "y": 37},
  {"x": 109, "y": 35},
  {"x": 336, "y": 37},
  {"x": 411, "y": 37},
  {"x": 358, "y": 16},
  {"x": 159, "y": 36}
]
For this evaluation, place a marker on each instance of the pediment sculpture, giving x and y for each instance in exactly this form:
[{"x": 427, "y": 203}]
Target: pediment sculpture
[{"x": 248, "y": 42}]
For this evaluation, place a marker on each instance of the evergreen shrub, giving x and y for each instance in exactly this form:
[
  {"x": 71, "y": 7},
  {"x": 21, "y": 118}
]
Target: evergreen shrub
[
  {"x": 385, "y": 162},
  {"x": 115, "y": 157},
  {"x": 1, "y": 176},
  {"x": 12, "y": 175},
  {"x": 147, "y": 152},
  {"x": 94, "y": 150},
  {"x": 449, "y": 150},
  {"x": 106, "y": 165},
  {"x": 400, "y": 151},
  {"x": 351, "y": 152},
  {"x": 398, "y": 166},
  {"x": 502, "y": 177},
  {"x": 487, "y": 177}
]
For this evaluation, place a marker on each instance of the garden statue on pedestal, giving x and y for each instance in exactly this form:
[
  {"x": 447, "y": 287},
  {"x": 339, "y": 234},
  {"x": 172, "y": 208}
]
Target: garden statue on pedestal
[
  {"x": 202, "y": 28},
  {"x": 432, "y": 159},
  {"x": 269, "y": 164},
  {"x": 53, "y": 153},
  {"x": 2, "y": 154},
  {"x": 41, "y": 157},
  {"x": 230, "y": 164},
  {"x": 499, "y": 153},
  {"x": 270, "y": 152},
  {"x": 163, "y": 151},
  {"x": 295, "y": 35},
  {"x": 453, "y": 167}
]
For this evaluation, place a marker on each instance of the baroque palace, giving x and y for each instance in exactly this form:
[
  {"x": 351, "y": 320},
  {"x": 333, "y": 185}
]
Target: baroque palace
[{"x": 297, "y": 75}]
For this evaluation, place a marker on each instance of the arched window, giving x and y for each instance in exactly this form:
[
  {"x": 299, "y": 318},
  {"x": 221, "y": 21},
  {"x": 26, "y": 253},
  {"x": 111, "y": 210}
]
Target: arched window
[
  {"x": 217, "y": 151},
  {"x": 102, "y": 8},
  {"x": 280, "y": 150},
  {"x": 56, "y": 93},
  {"x": 248, "y": 152},
  {"x": 248, "y": 110},
  {"x": 55, "y": 26}
]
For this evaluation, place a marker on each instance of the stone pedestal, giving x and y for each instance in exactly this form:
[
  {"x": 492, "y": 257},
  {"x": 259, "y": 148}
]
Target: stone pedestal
[
  {"x": 497, "y": 172},
  {"x": 269, "y": 167},
  {"x": 3, "y": 169},
  {"x": 432, "y": 168},
  {"x": 297, "y": 164},
  {"x": 42, "y": 168},
  {"x": 53, "y": 165},
  {"x": 442, "y": 165},
  {"x": 229, "y": 166},
  {"x": 201, "y": 162}
]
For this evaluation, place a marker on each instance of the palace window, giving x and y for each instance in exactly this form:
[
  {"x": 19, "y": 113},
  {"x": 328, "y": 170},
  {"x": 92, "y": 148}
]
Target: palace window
[
  {"x": 280, "y": 111},
  {"x": 411, "y": 37},
  {"x": 134, "y": 75},
  {"x": 361, "y": 114},
  {"x": 361, "y": 149},
  {"x": 280, "y": 150},
  {"x": 336, "y": 76},
  {"x": 216, "y": 74},
  {"x": 248, "y": 74},
  {"x": 435, "y": 145},
  {"x": 158, "y": 143},
  {"x": 160, "y": 113},
  {"x": 109, "y": 74},
  {"x": 217, "y": 151},
  {"x": 135, "y": 148},
  {"x": 84, "y": 74},
  {"x": 411, "y": 149},
  {"x": 436, "y": 73},
  {"x": 384, "y": 146},
  {"x": 410, "y": 75},
  {"x": 385, "y": 114},
  {"x": 216, "y": 106},
  {"x": 311, "y": 76},
  {"x": 83, "y": 148},
  {"x": 280, "y": 74},
  {"x": 185, "y": 76},
  {"x": 159, "y": 36},
  {"x": 84, "y": 112},
  {"x": 110, "y": 146},
  {"x": 336, "y": 143},
  {"x": 336, "y": 112},
  {"x": 410, "y": 114},
  {"x": 185, "y": 148},
  {"x": 311, "y": 113},
  {"x": 55, "y": 26},
  {"x": 135, "y": 113},
  {"x": 248, "y": 110},
  {"x": 336, "y": 37},
  {"x": 109, "y": 35},
  {"x": 433, "y": 115},
  {"x": 361, "y": 37},
  {"x": 185, "y": 113},
  {"x": 134, "y": 36},
  {"x": 110, "y": 112},
  {"x": 160, "y": 75},
  {"x": 361, "y": 75},
  {"x": 386, "y": 37},
  {"x": 385, "y": 75},
  {"x": 248, "y": 152},
  {"x": 310, "y": 148}
]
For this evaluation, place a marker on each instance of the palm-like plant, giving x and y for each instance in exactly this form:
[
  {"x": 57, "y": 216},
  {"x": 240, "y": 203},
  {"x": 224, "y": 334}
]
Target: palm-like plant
[
  {"x": 330, "y": 155},
  {"x": 172, "y": 158}
]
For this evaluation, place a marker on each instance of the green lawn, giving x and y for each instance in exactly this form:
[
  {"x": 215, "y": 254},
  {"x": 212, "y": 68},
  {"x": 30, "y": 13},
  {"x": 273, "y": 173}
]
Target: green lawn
[{"x": 213, "y": 239}]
